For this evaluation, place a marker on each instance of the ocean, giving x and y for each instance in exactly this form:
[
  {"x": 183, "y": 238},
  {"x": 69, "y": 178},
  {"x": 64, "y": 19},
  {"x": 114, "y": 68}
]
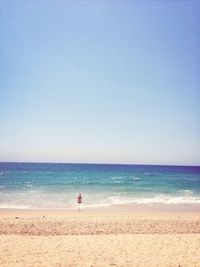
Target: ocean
[{"x": 56, "y": 185}]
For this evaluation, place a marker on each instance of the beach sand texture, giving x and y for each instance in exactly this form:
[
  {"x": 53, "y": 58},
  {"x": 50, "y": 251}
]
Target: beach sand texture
[{"x": 86, "y": 239}]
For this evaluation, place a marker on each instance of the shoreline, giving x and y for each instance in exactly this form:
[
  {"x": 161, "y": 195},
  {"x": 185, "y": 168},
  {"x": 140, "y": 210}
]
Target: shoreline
[{"x": 133, "y": 210}]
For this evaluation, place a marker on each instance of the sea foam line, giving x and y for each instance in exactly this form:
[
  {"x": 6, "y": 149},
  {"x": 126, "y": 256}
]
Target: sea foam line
[{"x": 117, "y": 200}]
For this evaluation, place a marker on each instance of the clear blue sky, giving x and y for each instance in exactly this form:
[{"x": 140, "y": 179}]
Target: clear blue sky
[{"x": 100, "y": 81}]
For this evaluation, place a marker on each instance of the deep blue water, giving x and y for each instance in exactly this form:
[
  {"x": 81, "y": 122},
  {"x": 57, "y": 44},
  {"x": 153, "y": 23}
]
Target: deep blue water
[{"x": 55, "y": 186}]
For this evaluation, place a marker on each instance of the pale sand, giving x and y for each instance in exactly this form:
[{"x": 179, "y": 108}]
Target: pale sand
[{"x": 44, "y": 238}]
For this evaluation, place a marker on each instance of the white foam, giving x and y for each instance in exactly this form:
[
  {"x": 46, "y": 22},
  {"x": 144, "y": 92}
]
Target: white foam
[
  {"x": 10, "y": 206},
  {"x": 38, "y": 199},
  {"x": 160, "y": 199},
  {"x": 136, "y": 178},
  {"x": 116, "y": 178}
]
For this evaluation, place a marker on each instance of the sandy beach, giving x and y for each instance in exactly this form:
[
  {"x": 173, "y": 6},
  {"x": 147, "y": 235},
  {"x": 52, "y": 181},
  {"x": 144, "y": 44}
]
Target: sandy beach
[{"x": 59, "y": 238}]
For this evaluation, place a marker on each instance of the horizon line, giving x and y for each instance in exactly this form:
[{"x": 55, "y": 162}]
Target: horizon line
[{"x": 89, "y": 163}]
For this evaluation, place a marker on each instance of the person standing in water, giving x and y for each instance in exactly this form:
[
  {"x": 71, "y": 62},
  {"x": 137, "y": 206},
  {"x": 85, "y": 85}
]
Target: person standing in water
[{"x": 79, "y": 201}]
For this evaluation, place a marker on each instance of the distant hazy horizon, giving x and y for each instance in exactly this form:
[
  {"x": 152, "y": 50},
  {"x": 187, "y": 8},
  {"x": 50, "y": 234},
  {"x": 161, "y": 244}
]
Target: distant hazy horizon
[
  {"x": 98, "y": 163},
  {"x": 100, "y": 82}
]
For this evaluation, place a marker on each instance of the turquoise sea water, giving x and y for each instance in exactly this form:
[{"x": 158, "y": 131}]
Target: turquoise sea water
[{"x": 55, "y": 186}]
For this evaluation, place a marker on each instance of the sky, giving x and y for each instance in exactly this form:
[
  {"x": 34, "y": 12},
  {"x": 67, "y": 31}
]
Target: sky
[{"x": 100, "y": 81}]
